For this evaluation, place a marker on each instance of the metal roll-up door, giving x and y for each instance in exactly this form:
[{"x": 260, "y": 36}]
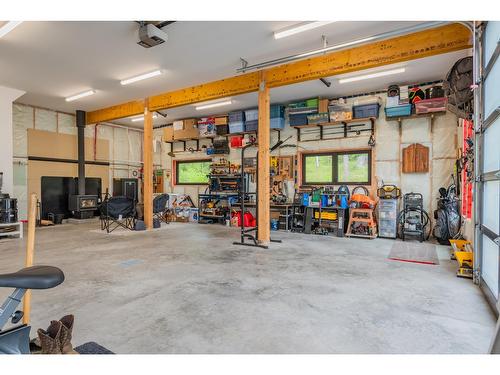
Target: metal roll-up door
[{"x": 488, "y": 162}]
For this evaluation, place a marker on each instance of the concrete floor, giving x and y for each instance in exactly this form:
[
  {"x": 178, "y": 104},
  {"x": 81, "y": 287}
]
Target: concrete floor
[{"x": 186, "y": 289}]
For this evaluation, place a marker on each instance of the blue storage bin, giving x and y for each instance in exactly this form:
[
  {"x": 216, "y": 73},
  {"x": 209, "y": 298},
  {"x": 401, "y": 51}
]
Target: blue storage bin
[
  {"x": 237, "y": 117},
  {"x": 251, "y": 126},
  {"x": 298, "y": 119},
  {"x": 400, "y": 110},
  {"x": 236, "y": 127},
  {"x": 277, "y": 110},
  {"x": 277, "y": 123},
  {"x": 251, "y": 115},
  {"x": 366, "y": 110}
]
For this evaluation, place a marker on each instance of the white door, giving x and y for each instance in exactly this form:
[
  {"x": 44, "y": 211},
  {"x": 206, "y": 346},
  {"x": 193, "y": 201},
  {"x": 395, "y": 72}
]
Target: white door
[{"x": 488, "y": 228}]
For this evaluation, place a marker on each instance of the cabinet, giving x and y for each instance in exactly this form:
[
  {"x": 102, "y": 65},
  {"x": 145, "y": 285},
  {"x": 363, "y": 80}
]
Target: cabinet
[{"x": 416, "y": 159}]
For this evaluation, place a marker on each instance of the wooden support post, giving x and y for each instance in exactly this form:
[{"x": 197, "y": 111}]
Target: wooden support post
[
  {"x": 30, "y": 253},
  {"x": 148, "y": 166},
  {"x": 263, "y": 139}
]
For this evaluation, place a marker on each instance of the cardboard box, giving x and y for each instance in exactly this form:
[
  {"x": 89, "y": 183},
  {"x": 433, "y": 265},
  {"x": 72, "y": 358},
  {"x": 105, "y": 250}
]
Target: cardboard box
[
  {"x": 221, "y": 120},
  {"x": 188, "y": 129},
  {"x": 168, "y": 133},
  {"x": 323, "y": 106},
  {"x": 340, "y": 116}
]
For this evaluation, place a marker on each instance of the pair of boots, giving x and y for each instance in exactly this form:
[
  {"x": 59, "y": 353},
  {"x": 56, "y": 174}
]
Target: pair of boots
[{"x": 57, "y": 338}]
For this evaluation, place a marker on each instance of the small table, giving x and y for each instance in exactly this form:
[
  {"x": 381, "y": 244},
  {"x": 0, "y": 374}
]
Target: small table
[{"x": 18, "y": 232}]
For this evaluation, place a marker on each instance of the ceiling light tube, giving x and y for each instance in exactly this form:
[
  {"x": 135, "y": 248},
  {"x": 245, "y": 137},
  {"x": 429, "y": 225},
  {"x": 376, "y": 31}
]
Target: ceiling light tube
[
  {"x": 213, "y": 105},
  {"x": 372, "y": 75},
  {"x": 8, "y": 27},
  {"x": 299, "y": 28},
  {"x": 141, "y": 118},
  {"x": 141, "y": 77},
  {"x": 79, "y": 96}
]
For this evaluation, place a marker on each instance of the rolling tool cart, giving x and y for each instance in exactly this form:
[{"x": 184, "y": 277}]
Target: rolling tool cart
[{"x": 387, "y": 211}]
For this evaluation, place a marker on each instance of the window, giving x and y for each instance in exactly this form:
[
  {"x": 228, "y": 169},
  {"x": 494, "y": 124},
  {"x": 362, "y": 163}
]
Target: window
[
  {"x": 192, "y": 172},
  {"x": 335, "y": 168}
]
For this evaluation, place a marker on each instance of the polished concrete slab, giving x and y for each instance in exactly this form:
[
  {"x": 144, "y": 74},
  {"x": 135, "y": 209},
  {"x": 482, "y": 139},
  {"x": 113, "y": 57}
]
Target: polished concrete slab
[{"x": 185, "y": 288}]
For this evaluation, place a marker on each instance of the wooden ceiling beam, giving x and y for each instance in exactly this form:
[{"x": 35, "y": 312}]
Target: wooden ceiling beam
[{"x": 444, "y": 39}]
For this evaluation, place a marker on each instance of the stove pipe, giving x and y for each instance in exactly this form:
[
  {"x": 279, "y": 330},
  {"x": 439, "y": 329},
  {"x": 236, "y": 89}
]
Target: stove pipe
[{"x": 80, "y": 124}]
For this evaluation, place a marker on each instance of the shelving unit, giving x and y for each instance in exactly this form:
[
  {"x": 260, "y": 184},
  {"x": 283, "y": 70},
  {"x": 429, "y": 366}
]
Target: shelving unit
[
  {"x": 13, "y": 233},
  {"x": 197, "y": 140},
  {"x": 400, "y": 119},
  {"x": 344, "y": 127}
]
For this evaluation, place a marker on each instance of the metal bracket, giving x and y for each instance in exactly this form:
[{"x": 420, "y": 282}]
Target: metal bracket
[
  {"x": 497, "y": 241},
  {"x": 244, "y": 64}
]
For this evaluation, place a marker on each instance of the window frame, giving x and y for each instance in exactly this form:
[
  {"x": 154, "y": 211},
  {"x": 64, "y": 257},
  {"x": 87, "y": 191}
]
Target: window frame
[
  {"x": 179, "y": 162},
  {"x": 335, "y": 177}
]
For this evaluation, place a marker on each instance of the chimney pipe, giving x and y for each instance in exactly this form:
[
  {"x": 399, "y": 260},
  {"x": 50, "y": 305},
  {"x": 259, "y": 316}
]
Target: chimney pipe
[{"x": 80, "y": 124}]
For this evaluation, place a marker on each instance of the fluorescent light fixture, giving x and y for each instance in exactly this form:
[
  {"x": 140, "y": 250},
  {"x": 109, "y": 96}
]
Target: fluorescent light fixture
[
  {"x": 141, "y": 77},
  {"x": 299, "y": 28},
  {"x": 372, "y": 75},
  {"x": 8, "y": 27},
  {"x": 213, "y": 105},
  {"x": 81, "y": 95},
  {"x": 141, "y": 118}
]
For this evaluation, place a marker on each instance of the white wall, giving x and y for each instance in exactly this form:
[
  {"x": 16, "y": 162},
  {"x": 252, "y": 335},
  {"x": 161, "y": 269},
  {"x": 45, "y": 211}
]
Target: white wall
[
  {"x": 7, "y": 96},
  {"x": 387, "y": 153}
]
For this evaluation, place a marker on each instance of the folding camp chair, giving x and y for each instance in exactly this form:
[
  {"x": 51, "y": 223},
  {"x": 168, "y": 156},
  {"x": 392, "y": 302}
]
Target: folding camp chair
[
  {"x": 117, "y": 212},
  {"x": 160, "y": 207}
]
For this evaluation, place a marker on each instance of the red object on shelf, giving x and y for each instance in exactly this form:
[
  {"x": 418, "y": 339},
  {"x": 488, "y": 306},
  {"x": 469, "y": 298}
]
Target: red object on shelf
[
  {"x": 237, "y": 141},
  {"x": 466, "y": 198},
  {"x": 431, "y": 105}
]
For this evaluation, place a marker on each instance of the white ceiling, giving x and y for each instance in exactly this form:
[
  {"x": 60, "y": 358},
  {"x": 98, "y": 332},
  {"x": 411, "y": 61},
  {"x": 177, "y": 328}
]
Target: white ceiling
[{"x": 53, "y": 60}]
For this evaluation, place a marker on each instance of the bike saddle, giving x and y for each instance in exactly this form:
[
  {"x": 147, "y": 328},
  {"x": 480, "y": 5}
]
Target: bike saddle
[{"x": 36, "y": 277}]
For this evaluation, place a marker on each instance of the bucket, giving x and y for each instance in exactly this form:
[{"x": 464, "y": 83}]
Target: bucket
[
  {"x": 274, "y": 224},
  {"x": 58, "y": 218}
]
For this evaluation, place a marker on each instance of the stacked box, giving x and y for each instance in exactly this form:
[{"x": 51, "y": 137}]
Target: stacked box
[
  {"x": 366, "y": 110},
  {"x": 185, "y": 129},
  {"x": 277, "y": 123},
  {"x": 277, "y": 111},
  {"x": 237, "y": 122},
  {"x": 221, "y": 129},
  {"x": 206, "y": 127}
]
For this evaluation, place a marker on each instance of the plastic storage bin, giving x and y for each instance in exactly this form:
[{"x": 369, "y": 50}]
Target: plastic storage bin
[
  {"x": 431, "y": 105},
  {"x": 251, "y": 126},
  {"x": 221, "y": 129},
  {"x": 317, "y": 118},
  {"x": 236, "y": 117},
  {"x": 298, "y": 119},
  {"x": 366, "y": 110},
  {"x": 251, "y": 115},
  {"x": 400, "y": 110},
  {"x": 277, "y": 123},
  {"x": 277, "y": 110},
  {"x": 236, "y": 127}
]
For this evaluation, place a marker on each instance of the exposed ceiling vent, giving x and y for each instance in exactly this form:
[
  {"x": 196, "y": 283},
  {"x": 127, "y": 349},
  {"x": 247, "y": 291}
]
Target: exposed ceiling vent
[{"x": 151, "y": 34}]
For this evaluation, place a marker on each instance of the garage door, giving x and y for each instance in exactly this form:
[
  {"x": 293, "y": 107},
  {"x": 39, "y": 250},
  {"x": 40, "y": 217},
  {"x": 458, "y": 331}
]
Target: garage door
[{"x": 488, "y": 230}]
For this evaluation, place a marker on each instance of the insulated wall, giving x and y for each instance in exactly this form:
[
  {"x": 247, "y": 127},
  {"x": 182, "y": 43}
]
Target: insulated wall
[{"x": 123, "y": 150}]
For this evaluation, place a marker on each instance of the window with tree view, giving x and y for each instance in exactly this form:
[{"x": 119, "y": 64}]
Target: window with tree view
[
  {"x": 334, "y": 168},
  {"x": 192, "y": 172}
]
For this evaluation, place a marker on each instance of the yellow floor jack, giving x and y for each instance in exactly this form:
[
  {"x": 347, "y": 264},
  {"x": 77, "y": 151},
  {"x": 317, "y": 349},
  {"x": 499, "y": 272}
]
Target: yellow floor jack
[{"x": 462, "y": 252}]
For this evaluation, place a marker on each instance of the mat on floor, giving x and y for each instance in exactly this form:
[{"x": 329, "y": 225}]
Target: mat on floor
[
  {"x": 413, "y": 252},
  {"x": 92, "y": 348}
]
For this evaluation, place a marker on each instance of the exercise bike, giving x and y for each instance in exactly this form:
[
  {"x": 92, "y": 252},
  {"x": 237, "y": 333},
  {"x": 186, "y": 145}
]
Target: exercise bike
[{"x": 16, "y": 340}]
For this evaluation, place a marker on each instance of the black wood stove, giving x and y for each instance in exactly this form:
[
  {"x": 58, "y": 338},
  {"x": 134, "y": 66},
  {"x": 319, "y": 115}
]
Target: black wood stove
[{"x": 82, "y": 205}]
